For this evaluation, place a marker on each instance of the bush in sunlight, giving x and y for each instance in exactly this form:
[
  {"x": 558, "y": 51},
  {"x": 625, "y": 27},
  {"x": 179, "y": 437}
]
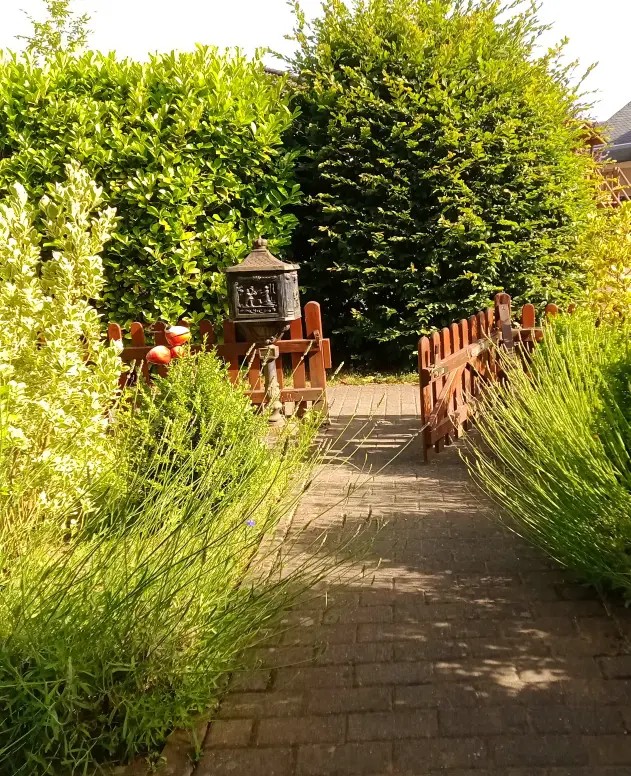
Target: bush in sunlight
[
  {"x": 112, "y": 638},
  {"x": 553, "y": 448}
]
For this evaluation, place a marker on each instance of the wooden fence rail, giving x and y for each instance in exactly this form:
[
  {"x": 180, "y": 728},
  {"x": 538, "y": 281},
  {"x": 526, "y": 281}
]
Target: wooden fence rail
[
  {"x": 303, "y": 350},
  {"x": 456, "y": 362}
]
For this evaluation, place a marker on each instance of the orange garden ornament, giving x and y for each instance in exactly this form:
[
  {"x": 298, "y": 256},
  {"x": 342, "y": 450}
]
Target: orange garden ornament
[
  {"x": 160, "y": 355},
  {"x": 176, "y": 337}
]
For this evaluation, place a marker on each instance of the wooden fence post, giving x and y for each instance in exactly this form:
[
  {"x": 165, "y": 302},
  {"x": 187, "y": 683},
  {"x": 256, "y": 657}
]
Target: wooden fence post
[
  {"x": 424, "y": 363},
  {"x": 229, "y": 338},
  {"x": 317, "y": 370},
  {"x": 298, "y": 370},
  {"x": 503, "y": 319}
]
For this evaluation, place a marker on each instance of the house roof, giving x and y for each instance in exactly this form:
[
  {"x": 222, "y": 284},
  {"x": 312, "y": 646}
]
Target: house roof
[
  {"x": 619, "y": 126},
  {"x": 618, "y": 129}
]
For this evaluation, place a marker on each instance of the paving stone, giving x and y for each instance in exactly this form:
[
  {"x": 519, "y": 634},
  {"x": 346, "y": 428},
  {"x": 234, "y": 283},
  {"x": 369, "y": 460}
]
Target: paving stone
[
  {"x": 246, "y": 762},
  {"x": 360, "y": 759},
  {"x": 392, "y": 725},
  {"x": 545, "y": 750},
  {"x": 229, "y": 732},
  {"x": 616, "y": 667},
  {"x": 301, "y": 730},
  {"x": 351, "y": 699},
  {"x": 483, "y": 721},
  {"x": 392, "y": 673},
  {"x": 313, "y": 677},
  {"x": 369, "y": 652},
  {"x": 250, "y": 680},
  {"x": 259, "y": 704},
  {"x": 572, "y": 719},
  {"x": 441, "y": 753},
  {"x": 609, "y": 750}
]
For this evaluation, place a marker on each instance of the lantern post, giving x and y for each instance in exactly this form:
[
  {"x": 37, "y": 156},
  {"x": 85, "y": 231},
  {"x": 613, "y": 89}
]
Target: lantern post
[{"x": 264, "y": 298}]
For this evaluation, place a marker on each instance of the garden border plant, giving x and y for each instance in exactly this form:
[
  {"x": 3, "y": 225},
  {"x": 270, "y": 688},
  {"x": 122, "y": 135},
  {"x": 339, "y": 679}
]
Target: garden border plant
[
  {"x": 552, "y": 448},
  {"x": 186, "y": 146},
  {"x": 123, "y": 611}
]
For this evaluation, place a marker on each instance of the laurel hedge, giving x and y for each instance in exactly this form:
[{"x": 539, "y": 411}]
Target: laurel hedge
[
  {"x": 438, "y": 165},
  {"x": 187, "y": 148}
]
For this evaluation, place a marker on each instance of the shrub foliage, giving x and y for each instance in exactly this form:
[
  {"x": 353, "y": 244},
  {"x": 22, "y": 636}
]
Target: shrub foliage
[
  {"x": 553, "y": 449},
  {"x": 128, "y": 532},
  {"x": 187, "y": 148},
  {"x": 57, "y": 376},
  {"x": 605, "y": 249},
  {"x": 439, "y": 165}
]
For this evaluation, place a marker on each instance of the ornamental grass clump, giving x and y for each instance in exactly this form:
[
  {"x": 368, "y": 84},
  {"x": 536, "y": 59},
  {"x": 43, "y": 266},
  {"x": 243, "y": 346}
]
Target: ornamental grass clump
[
  {"x": 553, "y": 449},
  {"x": 133, "y": 571}
]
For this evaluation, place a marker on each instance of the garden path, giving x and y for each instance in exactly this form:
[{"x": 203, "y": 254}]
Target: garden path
[{"x": 459, "y": 650}]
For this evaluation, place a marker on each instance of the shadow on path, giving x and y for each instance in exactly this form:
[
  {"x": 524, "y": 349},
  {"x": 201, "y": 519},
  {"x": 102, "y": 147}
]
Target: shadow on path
[{"x": 453, "y": 648}]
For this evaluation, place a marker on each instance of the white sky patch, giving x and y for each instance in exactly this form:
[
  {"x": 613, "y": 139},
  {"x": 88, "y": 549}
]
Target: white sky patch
[{"x": 599, "y": 32}]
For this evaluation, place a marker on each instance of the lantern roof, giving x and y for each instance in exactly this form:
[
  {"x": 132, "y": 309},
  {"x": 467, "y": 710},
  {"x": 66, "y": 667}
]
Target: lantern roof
[{"x": 261, "y": 260}]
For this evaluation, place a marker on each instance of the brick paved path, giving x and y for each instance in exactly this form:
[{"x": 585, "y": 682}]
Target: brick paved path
[{"x": 460, "y": 650}]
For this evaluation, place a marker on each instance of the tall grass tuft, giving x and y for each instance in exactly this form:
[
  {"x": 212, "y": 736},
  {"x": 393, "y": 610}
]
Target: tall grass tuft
[
  {"x": 123, "y": 628},
  {"x": 553, "y": 449}
]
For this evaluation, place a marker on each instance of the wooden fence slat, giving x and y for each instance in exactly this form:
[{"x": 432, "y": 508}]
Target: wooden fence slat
[
  {"x": 114, "y": 333},
  {"x": 435, "y": 358},
  {"x": 424, "y": 362},
  {"x": 466, "y": 375},
  {"x": 159, "y": 337},
  {"x": 299, "y": 395},
  {"x": 528, "y": 316},
  {"x": 474, "y": 336},
  {"x": 317, "y": 371},
  {"x": 298, "y": 369},
  {"x": 456, "y": 402},
  {"x": 551, "y": 310},
  {"x": 490, "y": 319},
  {"x": 137, "y": 334},
  {"x": 444, "y": 350},
  {"x": 503, "y": 319},
  {"x": 207, "y": 332},
  {"x": 229, "y": 338}
]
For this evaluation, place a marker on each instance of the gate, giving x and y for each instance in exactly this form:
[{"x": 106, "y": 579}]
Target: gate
[
  {"x": 456, "y": 362},
  {"x": 304, "y": 357}
]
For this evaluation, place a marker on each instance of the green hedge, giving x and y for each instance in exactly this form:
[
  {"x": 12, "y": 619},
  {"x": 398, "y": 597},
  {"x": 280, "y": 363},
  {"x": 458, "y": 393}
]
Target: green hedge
[
  {"x": 188, "y": 150},
  {"x": 440, "y": 167}
]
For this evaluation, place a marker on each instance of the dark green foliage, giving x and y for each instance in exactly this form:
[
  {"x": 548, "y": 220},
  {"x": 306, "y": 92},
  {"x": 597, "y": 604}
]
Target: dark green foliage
[
  {"x": 441, "y": 167},
  {"x": 188, "y": 150}
]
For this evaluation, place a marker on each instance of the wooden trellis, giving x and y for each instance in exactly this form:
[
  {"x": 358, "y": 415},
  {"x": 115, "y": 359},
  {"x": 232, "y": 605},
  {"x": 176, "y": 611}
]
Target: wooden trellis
[
  {"x": 303, "y": 350},
  {"x": 456, "y": 362}
]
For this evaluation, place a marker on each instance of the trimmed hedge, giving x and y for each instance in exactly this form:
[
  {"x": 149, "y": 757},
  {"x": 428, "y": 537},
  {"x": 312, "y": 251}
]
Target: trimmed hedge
[
  {"x": 441, "y": 166},
  {"x": 188, "y": 150}
]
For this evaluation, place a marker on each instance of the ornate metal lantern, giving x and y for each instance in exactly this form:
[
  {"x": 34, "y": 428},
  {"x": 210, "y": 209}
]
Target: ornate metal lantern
[
  {"x": 263, "y": 297},
  {"x": 263, "y": 294}
]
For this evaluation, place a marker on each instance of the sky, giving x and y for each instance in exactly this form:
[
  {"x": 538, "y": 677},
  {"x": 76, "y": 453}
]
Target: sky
[{"x": 599, "y": 32}]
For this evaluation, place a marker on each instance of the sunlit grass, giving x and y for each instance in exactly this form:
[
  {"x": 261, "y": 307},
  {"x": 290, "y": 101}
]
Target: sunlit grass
[{"x": 553, "y": 449}]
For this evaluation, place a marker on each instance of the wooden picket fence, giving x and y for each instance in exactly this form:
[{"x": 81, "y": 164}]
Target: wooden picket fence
[
  {"x": 303, "y": 350},
  {"x": 456, "y": 362}
]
